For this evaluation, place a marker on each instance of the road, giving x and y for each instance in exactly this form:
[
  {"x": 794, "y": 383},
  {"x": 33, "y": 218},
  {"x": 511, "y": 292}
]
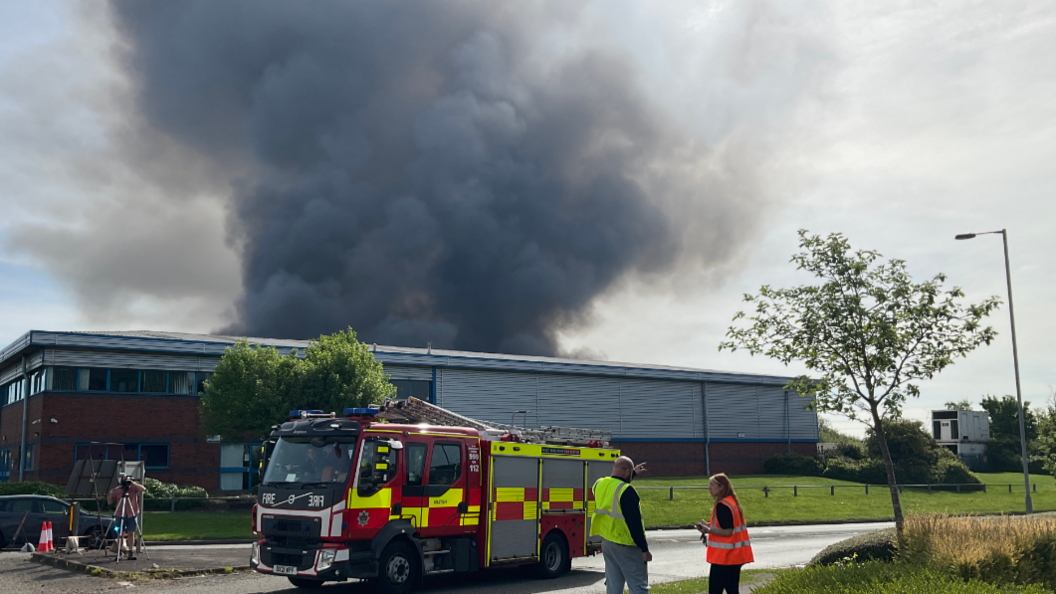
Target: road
[{"x": 677, "y": 554}]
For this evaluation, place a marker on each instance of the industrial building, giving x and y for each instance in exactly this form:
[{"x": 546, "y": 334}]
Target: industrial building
[
  {"x": 69, "y": 395},
  {"x": 965, "y": 433}
]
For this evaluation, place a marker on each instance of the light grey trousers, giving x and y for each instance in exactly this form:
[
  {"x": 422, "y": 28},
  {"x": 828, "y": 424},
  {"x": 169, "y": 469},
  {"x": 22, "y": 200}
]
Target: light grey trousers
[{"x": 624, "y": 564}]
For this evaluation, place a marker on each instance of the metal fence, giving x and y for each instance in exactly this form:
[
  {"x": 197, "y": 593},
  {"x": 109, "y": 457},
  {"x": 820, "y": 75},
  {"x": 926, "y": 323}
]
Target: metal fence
[{"x": 766, "y": 489}]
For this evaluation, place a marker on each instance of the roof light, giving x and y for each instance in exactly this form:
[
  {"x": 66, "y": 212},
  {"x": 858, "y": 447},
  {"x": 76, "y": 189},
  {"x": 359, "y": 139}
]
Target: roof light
[{"x": 355, "y": 412}]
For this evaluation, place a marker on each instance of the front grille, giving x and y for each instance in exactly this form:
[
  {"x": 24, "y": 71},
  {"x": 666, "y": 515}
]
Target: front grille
[
  {"x": 291, "y": 527},
  {"x": 300, "y": 558}
]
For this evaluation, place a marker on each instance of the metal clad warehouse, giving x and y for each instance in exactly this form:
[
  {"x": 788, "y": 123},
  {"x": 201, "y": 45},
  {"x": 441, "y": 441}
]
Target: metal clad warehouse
[{"x": 135, "y": 395}]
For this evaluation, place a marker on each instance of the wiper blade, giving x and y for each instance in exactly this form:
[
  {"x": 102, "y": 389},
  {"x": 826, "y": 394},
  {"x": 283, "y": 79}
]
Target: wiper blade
[{"x": 307, "y": 485}]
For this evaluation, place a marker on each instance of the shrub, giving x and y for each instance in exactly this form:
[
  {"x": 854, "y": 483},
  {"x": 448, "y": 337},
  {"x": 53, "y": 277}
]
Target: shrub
[
  {"x": 32, "y": 488},
  {"x": 877, "y": 545},
  {"x": 1003, "y": 549},
  {"x": 158, "y": 492},
  {"x": 866, "y": 471},
  {"x": 794, "y": 464},
  {"x": 882, "y": 578}
]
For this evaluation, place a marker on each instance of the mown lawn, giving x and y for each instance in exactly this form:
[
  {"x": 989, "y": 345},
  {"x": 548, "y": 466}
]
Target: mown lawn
[
  {"x": 690, "y": 505},
  {"x": 196, "y": 525},
  {"x": 819, "y": 504}
]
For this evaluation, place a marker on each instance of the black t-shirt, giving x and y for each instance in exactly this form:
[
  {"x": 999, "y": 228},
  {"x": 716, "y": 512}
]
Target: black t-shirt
[{"x": 724, "y": 516}]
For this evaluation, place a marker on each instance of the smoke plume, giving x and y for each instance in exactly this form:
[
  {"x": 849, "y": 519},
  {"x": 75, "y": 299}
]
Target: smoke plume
[{"x": 454, "y": 172}]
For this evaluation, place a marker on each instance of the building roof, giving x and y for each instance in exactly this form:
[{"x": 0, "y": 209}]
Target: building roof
[{"x": 215, "y": 344}]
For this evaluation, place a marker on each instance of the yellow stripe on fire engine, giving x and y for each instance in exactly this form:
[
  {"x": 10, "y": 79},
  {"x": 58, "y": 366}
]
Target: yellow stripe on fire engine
[
  {"x": 509, "y": 494},
  {"x": 531, "y": 510},
  {"x": 383, "y": 498},
  {"x": 562, "y": 495},
  {"x": 450, "y": 498}
]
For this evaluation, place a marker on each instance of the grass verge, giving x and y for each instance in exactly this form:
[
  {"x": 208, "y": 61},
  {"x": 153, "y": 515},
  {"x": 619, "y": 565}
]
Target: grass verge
[
  {"x": 883, "y": 578},
  {"x": 698, "y": 585},
  {"x": 196, "y": 525},
  {"x": 819, "y": 504}
]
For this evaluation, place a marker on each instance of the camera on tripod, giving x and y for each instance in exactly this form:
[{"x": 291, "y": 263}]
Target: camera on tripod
[{"x": 125, "y": 482}]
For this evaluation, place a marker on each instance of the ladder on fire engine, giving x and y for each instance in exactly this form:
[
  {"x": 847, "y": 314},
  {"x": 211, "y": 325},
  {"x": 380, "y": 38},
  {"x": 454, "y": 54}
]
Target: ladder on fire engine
[{"x": 417, "y": 411}]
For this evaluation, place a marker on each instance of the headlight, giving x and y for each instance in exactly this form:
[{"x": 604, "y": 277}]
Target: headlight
[
  {"x": 326, "y": 559},
  {"x": 254, "y": 557}
]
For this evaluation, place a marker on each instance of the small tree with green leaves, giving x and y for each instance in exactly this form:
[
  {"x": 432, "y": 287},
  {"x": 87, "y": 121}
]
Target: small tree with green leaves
[
  {"x": 866, "y": 331},
  {"x": 256, "y": 387},
  {"x": 962, "y": 404}
]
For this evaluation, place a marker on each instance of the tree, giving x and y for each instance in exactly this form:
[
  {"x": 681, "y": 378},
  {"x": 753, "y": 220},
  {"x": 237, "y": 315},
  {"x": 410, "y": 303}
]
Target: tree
[
  {"x": 963, "y": 404},
  {"x": 867, "y": 330},
  {"x": 256, "y": 387},
  {"x": 1004, "y": 452}
]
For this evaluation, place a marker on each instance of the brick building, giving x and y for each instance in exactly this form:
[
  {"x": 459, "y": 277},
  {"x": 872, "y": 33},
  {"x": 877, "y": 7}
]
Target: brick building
[{"x": 135, "y": 395}]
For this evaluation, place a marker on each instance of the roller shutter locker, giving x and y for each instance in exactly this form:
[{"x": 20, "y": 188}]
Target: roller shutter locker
[{"x": 514, "y": 538}]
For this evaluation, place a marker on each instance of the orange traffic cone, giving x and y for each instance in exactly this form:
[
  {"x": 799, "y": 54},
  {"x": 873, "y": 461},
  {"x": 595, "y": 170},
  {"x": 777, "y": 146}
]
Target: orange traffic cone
[
  {"x": 51, "y": 544},
  {"x": 42, "y": 546}
]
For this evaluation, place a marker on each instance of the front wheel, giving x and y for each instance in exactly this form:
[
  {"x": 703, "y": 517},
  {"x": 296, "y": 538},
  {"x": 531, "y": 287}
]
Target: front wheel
[
  {"x": 397, "y": 569},
  {"x": 305, "y": 583},
  {"x": 554, "y": 560}
]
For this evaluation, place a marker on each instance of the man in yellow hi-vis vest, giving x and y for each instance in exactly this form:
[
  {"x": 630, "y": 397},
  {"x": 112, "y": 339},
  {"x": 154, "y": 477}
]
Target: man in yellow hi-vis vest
[{"x": 618, "y": 520}]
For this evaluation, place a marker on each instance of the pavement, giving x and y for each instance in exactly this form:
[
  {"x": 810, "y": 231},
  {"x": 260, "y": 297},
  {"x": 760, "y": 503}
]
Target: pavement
[{"x": 677, "y": 554}]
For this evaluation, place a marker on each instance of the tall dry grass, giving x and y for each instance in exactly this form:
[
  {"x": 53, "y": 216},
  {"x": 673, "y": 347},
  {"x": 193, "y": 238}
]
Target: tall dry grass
[{"x": 1004, "y": 549}]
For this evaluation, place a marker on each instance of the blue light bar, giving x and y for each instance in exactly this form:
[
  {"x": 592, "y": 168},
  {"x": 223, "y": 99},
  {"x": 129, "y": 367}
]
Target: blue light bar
[{"x": 352, "y": 412}]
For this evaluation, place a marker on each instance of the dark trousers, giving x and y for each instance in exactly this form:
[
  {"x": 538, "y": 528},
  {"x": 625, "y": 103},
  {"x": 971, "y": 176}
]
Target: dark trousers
[{"x": 724, "y": 578}]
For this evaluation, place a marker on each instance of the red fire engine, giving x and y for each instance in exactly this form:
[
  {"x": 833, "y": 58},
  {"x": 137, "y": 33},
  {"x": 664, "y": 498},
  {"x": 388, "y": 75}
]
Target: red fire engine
[{"x": 430, "y": 493}]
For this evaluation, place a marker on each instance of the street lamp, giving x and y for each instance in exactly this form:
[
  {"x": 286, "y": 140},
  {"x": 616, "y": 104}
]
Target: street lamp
[{"x": 1015, "y": 362}]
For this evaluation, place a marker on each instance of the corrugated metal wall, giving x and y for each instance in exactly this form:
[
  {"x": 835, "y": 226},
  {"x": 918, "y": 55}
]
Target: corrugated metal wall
[
  {"x": 404, "y": 372},
  {"x": 123, "y": 360},
  {"x": 629, "y": 408}
]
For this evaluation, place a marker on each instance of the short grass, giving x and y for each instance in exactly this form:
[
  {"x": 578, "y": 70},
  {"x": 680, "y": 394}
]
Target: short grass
[
  {"x": 819, "y": 504},
  {"x": 691, "y": 505},
  {"x": 196, "y": 525},
  {"x": 698, "y": 585}
]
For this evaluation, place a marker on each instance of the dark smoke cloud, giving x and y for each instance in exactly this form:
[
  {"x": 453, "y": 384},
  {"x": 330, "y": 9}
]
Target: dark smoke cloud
[{"x": 421, "y": 171}]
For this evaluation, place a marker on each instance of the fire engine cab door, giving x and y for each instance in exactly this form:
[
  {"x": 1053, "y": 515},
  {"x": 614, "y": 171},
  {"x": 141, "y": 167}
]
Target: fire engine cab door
[{"x": 445, "y": 489}]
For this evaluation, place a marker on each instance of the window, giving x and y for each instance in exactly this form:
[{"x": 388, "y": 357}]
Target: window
[
  {"x": 22, "y": 506},
  {"x": 124, "y": 380},
  {"x": 422, "y": 390},
  {"x": 446, "y": 465},
  {"x": 415, "y": 463},
  {"x": 936, "y": 429},
  {"x": 64, "y": 378},
  {"x": 155, "y": 455},
  {"x": 202, "y": 378},
  {"x": 181, "y": 382},
  {"x": 12, "y": 392},
  {"x": 93, "y": 380},
  {"x": 54, "y": 507},
  {"x": 155, "y": 381},
  {"x": 30, "y": 455},
  {"x": 36, "y": 381}
]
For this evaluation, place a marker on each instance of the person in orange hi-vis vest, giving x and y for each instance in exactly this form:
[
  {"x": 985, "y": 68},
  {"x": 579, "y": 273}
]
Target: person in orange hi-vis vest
[{"x": 726, "y": 537}]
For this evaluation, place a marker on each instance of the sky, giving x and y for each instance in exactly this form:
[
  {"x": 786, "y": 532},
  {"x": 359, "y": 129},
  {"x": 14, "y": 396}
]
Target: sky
[{"x": 898, "y": 124}]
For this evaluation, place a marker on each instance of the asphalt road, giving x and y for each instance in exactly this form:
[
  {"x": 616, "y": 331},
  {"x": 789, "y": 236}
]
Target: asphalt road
[{"x": 677, "y": 554}]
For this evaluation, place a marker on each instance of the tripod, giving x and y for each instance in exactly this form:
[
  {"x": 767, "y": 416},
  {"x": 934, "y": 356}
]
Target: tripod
[{"x": 120, "y": 519}]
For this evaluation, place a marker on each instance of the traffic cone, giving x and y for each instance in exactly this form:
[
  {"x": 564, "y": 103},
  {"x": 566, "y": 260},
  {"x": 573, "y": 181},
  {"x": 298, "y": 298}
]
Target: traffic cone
[
  {"x": 42, "y": 546},
  {"x": 51, "y": 544}
]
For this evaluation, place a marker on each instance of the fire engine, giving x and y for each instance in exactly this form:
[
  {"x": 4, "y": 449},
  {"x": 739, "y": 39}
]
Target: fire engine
[{"x": 407, "y": 489}]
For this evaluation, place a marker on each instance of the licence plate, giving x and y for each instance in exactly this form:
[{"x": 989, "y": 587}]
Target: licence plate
[{"x": 286, "y": 569}]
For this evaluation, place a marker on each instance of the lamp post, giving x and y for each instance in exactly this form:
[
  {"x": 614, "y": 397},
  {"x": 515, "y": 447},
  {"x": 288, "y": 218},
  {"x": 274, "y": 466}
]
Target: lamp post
[{"x": 1015, "y": 363}]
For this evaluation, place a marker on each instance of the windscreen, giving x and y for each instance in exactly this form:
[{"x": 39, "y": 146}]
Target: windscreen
[{"x": 303, "y": 463}]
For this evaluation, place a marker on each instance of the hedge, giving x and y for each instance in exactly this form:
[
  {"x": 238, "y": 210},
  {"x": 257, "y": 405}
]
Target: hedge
[
  {"x": 883, "y": 578},
  {"x": 878, "y": 545}
]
